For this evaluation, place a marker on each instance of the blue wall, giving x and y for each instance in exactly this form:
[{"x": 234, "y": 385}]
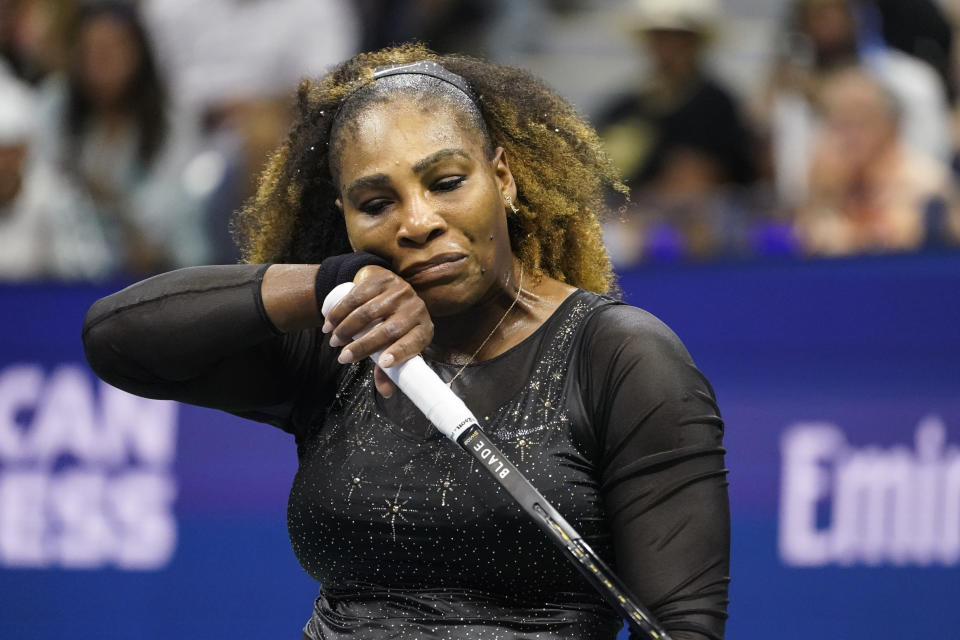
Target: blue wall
[
  {"x": 839, "y": 382},
  {"x": 869, "y": 348}
]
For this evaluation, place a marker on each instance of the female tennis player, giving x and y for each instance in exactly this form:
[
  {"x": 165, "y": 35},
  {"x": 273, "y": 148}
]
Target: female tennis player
[{"x": 462, "y": 199}]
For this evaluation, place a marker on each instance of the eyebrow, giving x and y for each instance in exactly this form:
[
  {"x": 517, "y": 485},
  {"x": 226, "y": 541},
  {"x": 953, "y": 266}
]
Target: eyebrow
[
  {"x": 373, "y": 180},
  {"x": 420, "y": 166}
]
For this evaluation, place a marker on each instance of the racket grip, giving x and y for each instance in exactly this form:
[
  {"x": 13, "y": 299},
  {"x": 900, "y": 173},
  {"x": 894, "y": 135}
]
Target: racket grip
[{"x": 442, "y": 407}]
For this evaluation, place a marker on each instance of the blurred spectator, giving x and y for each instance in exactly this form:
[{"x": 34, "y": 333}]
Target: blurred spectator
[
  {"x": 679, "y": 138},
  {"x": 31, "y": 36},
  {"x": 237, "y": 63},
  {"x": 920, "y": 28},
  {"x": 223, "y": 51},
  {"x": 19, "y": 40},
  {"x": 868, "y": 191},
  {"x": 110, "y": 129},
  {"x": 497, "y": 30},
  {"x": 46, "y": 229},
  {"x": 821, "y": 36},
  {"x": 680, "y": 131},
  {"x": 447, "y": 26}
]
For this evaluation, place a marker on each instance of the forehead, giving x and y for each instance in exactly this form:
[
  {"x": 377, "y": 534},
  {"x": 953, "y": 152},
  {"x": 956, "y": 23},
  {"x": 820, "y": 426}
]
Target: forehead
[{"x": 402, "y": 131}]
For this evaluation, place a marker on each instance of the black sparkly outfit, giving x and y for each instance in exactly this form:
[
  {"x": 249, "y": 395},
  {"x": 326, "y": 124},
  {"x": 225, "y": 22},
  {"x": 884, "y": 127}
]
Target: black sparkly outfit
[{"x": 601, "y": 408}]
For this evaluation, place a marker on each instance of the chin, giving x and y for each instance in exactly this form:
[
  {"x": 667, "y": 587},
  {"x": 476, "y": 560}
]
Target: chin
[
  {"x": 441, "y": 306},
  {"x": 445, "y": 300}
]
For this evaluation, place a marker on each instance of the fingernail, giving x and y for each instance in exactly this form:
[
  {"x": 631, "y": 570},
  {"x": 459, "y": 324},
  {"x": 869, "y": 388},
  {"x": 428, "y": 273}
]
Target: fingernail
[
  {"x": 345, "y": 357},
  {"x": 386, "y": 361},
  {"x": 327, "y": 327},
  {"x": 335, "y": 341},
  {"x": 387, "y": 395}
]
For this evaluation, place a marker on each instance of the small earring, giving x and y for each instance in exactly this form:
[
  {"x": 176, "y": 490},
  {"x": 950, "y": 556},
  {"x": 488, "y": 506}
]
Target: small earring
[{"x": 510, "y": 204}]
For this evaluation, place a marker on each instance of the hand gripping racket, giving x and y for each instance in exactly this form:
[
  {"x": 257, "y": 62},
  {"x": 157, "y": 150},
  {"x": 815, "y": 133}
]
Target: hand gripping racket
[{"x": 452, "y": 418}]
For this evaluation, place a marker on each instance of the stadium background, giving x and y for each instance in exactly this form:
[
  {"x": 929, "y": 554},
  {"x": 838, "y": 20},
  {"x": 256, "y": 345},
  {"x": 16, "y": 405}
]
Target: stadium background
[{"x": 838, "y": 379}]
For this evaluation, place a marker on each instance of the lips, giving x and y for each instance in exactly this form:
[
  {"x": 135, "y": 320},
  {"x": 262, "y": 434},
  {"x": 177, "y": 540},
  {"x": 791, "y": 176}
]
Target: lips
[{"x": 437, "y": 265}]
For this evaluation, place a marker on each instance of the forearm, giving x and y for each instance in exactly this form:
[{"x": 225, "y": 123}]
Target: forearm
[
  {"x": 289, "y": 296},
  {"x": 176, "y": 327},
  {"x": 672, "y": 546},
  {"x": 235, "y": 337}
]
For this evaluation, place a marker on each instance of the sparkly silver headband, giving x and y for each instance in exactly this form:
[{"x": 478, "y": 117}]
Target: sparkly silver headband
[{"x": 421, "y": 68}]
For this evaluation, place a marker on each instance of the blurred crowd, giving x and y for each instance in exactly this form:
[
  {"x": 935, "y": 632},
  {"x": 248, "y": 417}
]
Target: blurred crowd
[
  {"x": 131, "y": 130},
  {"x": 849, "y": 147}
]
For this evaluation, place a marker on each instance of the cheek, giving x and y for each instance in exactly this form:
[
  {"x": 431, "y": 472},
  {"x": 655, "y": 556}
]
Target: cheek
[
  {"x": 366, "y": 233},
  {"x": 489, "y": 234},
  {"x": 355, "y": 235},
  {"x": 486, "y": 215}
]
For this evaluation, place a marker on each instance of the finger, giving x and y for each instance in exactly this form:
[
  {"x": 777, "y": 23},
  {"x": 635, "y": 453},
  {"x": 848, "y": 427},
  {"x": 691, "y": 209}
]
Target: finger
[
  {"x": 381, "y": 337},
  {"x": 372, "y": 272},
  {"x": 384, "y": 384},
  {"x": 374, "y": 282},
  {"x": 389, "y": 308},
  {"x": 409, "y": 345},
  {"x": 410, "y": 321}
]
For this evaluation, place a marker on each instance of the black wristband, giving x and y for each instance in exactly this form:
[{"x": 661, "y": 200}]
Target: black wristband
[{"x": 339, "y": 269}]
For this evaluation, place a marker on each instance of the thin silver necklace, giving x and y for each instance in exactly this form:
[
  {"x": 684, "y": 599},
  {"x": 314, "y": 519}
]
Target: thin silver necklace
[{"x": 490, "y": 335}]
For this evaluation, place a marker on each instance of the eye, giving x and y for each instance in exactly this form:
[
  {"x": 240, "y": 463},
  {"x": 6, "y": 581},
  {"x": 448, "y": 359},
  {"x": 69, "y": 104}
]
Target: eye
[
  {"x": 449, "y": 183},
  {"x": 374, "y": 207}
]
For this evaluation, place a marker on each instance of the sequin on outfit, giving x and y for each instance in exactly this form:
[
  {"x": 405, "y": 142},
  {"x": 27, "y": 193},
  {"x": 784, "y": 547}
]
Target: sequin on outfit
[{"x": 601, "y": 408}]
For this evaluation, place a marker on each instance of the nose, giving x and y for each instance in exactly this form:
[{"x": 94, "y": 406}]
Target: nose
[{"x": 420, "y": 223}]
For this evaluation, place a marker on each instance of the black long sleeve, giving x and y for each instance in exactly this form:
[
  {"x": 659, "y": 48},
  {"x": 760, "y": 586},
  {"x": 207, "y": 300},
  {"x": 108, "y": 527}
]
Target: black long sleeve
[
  {"x": 200, "y": 335},
  {"x": 657, "y": 432}
]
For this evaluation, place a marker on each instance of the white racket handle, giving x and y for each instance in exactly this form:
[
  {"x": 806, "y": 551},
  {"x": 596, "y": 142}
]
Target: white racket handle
[{"x": 418, "y": 382}]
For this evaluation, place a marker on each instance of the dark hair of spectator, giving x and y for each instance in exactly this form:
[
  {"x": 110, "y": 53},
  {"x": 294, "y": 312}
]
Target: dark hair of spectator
[
  {"x": 145, "y": 96},
  {"x": 557, "y": 160},
  {"x": 793, "y": 41}
]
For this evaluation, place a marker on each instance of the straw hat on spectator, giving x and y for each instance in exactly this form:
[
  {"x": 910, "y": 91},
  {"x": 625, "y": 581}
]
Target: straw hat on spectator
[{"x": 700, "y": 17}]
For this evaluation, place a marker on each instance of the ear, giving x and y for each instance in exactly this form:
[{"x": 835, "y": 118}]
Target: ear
[{"x": 501, "y": 171}]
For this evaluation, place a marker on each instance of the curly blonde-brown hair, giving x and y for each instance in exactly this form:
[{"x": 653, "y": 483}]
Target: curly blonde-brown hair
[{"x": 558, "y": 163}]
